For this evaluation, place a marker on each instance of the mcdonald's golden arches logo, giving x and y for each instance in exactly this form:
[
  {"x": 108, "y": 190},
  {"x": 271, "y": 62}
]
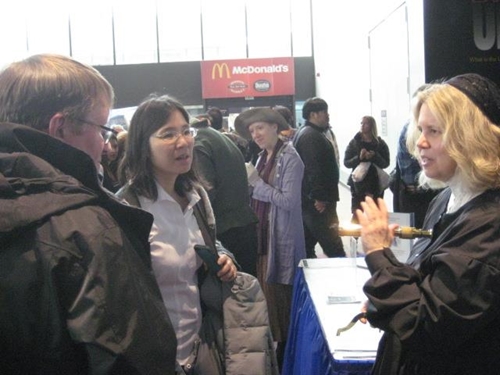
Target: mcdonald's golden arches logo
[{"x": 221, "y": 69}]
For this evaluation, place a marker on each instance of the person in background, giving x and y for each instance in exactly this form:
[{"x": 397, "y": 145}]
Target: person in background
[
  {"x": 320, "y": 191},
  {"x": 122, "y": 145},
  {"x": 221, "y": 170},
  {"x": 330, "y": 135},
  {"x": 440, "y": 310},
  {"x": 366, "y": 146},
  {"x": 253, "y": 150},
  {"x": 216, "y": 118},
  {"x": 289, "y": 133},
  {"x": 241, "y": 143},
  {"x": 111, "y": 158},
  {"x": 204, "y": 117},
  {"x": 157, "y": 176},
  {"x": 276, "y": 182},
  {"x": 407, "y": 195},
  {"x": 77, "y": 295}
]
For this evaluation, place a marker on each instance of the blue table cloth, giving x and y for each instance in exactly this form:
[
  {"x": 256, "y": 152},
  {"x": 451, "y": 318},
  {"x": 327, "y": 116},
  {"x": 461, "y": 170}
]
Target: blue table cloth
[{"x": 307, "y": 351}]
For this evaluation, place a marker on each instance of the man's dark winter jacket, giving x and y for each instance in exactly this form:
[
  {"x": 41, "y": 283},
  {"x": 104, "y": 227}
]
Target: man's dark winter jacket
[
  {"x": 77, "y": 294},
  {"x": 321, "y": 173}
]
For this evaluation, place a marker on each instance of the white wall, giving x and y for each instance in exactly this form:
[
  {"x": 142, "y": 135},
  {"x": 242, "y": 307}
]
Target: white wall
[
  {"x": 340, "y": 34},
  {"x": 389, "y": 72}
]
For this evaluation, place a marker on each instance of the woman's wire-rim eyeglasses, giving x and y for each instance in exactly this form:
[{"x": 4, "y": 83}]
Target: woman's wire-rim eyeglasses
[{"x": 172, "y": 135}]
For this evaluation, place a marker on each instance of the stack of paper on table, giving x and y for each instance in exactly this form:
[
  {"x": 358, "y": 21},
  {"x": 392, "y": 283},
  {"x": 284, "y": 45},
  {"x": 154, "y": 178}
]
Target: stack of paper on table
[{"x": 339, "y": 279}]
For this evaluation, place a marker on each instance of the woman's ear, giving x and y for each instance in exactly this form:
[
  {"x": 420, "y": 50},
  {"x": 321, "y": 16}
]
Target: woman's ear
[{"x": 56, "y": 126}]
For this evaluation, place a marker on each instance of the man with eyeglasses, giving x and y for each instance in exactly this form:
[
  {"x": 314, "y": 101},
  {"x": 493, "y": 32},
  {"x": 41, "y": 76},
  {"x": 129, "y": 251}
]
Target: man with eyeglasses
[
  {"x": 107, "y": 134},
  {"x": 77, "y": 293}
]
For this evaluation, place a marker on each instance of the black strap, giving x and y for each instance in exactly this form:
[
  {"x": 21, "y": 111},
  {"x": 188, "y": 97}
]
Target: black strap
[{"x": 202, "y": 223}]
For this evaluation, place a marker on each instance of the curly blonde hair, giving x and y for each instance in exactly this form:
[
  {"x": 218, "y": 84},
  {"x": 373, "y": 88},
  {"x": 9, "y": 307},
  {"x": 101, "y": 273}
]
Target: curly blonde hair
[{"x": 470, "y": 139}]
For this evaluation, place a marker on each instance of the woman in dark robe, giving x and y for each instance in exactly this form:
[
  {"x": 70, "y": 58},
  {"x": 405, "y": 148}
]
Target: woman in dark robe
[{"x": 441, "y": 310}]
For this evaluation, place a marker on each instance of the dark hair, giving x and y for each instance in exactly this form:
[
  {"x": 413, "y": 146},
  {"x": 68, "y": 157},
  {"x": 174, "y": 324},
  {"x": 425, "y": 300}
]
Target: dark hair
[
  {"x": 33, "y": 90},
  {"x": 152, "y": 114},
  {"x": 313, "y": 105},
  {"x": 216, "y": 118},
  {"x": 286, "y": 113}
]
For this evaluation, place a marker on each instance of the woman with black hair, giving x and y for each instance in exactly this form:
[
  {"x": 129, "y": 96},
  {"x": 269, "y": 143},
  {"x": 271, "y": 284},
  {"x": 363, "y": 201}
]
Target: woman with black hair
[{"x": 158, "y": 177}]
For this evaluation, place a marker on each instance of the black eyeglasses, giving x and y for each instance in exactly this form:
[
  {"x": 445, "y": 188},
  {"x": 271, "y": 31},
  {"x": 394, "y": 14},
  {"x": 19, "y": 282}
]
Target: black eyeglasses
[{"x": 106, "y": 132}]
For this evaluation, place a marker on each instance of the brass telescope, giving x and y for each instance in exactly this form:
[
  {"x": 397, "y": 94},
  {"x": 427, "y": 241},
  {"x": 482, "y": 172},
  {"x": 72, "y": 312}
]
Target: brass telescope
[{"x": 401, "y": 232}]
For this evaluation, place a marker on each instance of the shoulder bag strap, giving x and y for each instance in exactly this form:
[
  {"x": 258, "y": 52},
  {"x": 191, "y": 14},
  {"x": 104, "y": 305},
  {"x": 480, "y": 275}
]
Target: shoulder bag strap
[{"x": 202, "y": 223}]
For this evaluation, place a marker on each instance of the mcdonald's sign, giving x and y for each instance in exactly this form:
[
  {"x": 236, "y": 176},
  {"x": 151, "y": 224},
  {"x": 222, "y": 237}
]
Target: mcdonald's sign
[
  {"x": 248, "y": 77},
  {"x": 221, "y": 70}
]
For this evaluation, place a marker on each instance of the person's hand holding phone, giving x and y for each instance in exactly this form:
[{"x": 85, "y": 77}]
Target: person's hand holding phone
[
  {"x": 228, "y": 269},
  {"x": 222, "y": 265}
]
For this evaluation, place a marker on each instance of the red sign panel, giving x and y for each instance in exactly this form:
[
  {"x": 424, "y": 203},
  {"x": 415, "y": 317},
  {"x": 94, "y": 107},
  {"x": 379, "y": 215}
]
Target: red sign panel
[{"x": 247, "y": 78}]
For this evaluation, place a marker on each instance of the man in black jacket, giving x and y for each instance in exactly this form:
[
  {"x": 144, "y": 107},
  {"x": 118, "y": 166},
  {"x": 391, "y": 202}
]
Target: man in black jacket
[
  {"x": 77, "y": 293},
  {"x": 221, "y": 168},
  {"x": 320, "y": 192}
]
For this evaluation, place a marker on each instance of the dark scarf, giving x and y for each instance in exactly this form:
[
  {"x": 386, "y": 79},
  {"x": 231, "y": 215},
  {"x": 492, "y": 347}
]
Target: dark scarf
[{"x": 260, "y": 208}]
